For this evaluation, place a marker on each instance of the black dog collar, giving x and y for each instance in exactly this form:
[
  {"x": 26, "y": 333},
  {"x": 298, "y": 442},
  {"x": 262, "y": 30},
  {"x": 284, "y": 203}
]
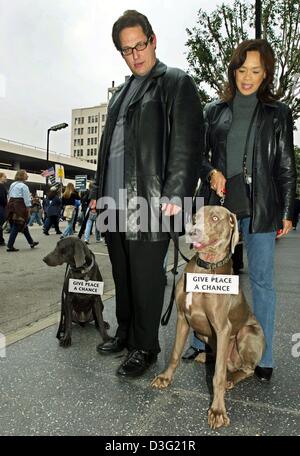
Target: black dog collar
[
  {"x": 84, "y": 269},
  {"x": 206, "y": 265}
]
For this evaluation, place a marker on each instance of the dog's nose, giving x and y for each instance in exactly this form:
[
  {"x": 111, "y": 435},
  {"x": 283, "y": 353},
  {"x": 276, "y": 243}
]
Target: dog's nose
[{"x": 195, "y": 233}]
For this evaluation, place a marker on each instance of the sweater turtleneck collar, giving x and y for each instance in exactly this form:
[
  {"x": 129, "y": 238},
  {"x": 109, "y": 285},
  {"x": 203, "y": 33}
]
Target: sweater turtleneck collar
[{"x": 245, "y": 101}]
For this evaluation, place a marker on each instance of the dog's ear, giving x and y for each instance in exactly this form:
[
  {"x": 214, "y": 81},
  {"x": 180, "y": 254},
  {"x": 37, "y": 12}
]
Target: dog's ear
[
  {"x": 79, "y": 254},
  {"x": 235, "y": 232}
]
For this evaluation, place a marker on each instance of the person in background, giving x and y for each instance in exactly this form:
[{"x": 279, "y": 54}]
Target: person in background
[
  {"x": 69, "y": 198},
  {"x": 77, "y": 207},
  {"x": 250, "y": 134},
  {"x": 3, "y": 206},
  {"x": 35, "y": 211},
  {"x": 52, "y": 209},
  {"x": 18, "y": 210},
  {"x": 92, "y": 218}
]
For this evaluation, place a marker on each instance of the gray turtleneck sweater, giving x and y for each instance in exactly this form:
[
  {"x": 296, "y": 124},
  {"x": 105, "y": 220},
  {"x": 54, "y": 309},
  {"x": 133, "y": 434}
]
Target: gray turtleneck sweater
[{"x": 243, "y": 108}]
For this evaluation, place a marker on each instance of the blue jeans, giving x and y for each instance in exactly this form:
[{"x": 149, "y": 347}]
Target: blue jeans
[
  {"x": 88, "y": 229},
  {"x": 260, "y": 252},
  {"x": 69, "y": 228},
  {"x": 35, "y": 217}
]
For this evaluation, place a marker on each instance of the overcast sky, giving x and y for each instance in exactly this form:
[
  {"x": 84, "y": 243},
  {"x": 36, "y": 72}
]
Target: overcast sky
[{"x": 57, "y": 55}]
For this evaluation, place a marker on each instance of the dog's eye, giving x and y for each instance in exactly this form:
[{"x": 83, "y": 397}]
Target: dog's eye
[{"x": 215, "y": 218}]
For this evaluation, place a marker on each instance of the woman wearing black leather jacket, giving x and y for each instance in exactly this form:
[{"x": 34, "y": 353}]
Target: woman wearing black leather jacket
[{"x": 250, "y": 161}]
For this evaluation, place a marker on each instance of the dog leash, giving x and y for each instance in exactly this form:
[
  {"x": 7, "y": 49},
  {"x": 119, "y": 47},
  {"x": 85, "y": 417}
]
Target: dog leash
[{"x": 175, "y": 238}]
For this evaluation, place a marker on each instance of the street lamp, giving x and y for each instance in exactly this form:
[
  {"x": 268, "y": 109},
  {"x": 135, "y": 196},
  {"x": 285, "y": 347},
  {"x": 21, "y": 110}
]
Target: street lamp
[{"x": 54, "y": 128}]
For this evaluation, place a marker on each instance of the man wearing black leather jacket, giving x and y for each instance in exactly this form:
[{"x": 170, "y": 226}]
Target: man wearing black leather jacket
[{"x": 151, "y": 148}]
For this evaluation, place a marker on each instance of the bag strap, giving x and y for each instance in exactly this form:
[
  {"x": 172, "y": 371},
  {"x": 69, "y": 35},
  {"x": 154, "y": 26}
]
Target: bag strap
[{"x": 247, "y": 140}]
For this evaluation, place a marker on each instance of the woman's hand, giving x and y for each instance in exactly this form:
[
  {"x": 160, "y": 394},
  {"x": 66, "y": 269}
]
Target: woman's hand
[
  {"x": 287, "y": 227},
  {"x": 218, "y": 183}
]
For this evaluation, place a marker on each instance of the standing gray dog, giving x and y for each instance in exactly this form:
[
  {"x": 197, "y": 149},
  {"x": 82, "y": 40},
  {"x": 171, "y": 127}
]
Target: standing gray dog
[
  {"x": 223, "y": 321},
  {"x": 80, "y": 308}
]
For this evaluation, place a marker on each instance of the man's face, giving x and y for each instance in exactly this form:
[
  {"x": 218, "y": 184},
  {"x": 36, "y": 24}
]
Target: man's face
[
  {"x": 3, "y": 179},
  {"x": 139, "y": 62}
]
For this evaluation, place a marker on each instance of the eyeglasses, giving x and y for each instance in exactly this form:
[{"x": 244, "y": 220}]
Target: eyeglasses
[{"x": 138, "y": 47}]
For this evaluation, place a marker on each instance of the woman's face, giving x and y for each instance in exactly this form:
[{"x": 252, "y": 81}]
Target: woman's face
[{"x": 251, "y": 74}]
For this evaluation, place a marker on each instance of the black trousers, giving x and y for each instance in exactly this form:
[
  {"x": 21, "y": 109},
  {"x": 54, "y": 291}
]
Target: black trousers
[{"x": 138, "y": 273}]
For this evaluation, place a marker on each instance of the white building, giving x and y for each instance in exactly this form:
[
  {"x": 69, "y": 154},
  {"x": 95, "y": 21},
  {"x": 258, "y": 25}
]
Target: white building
[{"x": 87, "y": 127}]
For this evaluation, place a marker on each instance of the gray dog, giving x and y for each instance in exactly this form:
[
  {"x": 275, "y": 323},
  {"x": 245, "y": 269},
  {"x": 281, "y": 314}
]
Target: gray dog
[
  {"x": 224, "y": 321},
  {"x": 80, "y": 308}
]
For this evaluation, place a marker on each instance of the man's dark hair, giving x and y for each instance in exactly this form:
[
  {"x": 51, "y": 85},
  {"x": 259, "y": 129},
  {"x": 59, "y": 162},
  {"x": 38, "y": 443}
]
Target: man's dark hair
[
  {"x": 130, "y": 18},
  {"x": 265, "y": 92}
]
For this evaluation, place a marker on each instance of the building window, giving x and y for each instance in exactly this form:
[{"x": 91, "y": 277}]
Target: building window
[
  {"x": 103, "y": 117},
  {"x": 96, "y": 119},
  {"x": 96, "y": 129}
]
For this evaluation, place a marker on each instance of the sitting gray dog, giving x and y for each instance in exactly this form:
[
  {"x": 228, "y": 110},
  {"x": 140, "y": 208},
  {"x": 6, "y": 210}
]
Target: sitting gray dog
[
  {"x": 80, "y": 308},
  {"x": 223, "y": 321}
]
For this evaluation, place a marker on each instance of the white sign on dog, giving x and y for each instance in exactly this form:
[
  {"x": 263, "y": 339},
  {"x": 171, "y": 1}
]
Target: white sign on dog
[
  {"x": 86, "y": 287},
  {"x": 212, "y": 283}
]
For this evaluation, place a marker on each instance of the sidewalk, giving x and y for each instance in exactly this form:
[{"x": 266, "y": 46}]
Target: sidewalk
[{"x": 47, "y": 390}]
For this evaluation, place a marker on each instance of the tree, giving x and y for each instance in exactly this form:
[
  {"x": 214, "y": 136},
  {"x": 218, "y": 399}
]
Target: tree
[{"x": 212, "y": 41}]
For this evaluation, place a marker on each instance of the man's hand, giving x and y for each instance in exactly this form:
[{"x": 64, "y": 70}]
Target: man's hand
[
  {"x": 287, "y": 227},
  {"x": 218, "y": 183},
  {"x": 170, "y": 209}
]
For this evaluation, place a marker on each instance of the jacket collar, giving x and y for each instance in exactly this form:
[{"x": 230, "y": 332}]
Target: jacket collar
[
  {"x": 158, "y": 70},
  {"x": 273, "y": 105}
]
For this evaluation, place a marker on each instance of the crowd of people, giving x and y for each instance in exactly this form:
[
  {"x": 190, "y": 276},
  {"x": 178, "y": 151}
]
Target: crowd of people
[{"x": 20, "y": 209}]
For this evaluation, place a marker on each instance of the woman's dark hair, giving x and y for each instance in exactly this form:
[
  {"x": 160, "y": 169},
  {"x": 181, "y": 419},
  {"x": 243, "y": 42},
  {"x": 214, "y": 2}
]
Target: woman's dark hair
[
  {"x": 130, "y": 18},
  {"x": 265, "y": 92}
]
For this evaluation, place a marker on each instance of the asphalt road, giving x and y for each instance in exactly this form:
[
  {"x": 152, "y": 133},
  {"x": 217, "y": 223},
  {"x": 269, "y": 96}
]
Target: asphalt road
[{"x": 48, "y": 390}]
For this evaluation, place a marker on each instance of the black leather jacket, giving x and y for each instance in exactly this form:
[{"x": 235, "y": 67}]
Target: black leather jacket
[
  {"x": 163, "y": 140},
  {"x": 273, "y": 169}
]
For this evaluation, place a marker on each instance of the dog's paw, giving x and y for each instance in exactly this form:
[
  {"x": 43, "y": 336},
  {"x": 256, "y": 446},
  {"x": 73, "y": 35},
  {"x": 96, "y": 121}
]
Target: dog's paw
[
  {"x": 201, "y": 358},
  {"x": 161, "y": 381},
  {"x": 229, "y": 385},
  {"x": 65, "y": 341},
  {"x": 217, "y": 418}
]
